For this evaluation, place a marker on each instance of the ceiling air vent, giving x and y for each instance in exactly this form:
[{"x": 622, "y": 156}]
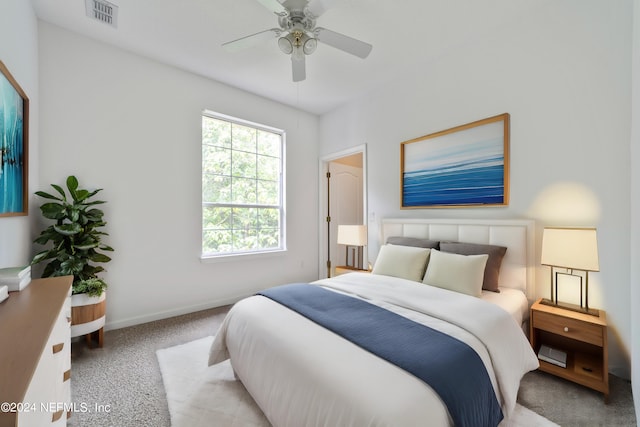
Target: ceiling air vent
[{"x": 102, "y": 11}]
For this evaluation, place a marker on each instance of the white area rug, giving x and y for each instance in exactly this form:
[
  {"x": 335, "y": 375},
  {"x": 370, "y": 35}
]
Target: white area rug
[{"x": 202, "y": 396}]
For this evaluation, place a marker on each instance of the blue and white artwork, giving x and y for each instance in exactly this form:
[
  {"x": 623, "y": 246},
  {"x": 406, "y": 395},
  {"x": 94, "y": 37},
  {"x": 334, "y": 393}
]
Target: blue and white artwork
[
  {"x": 457, "y": 168},
  {"x": 12, "y": 149}
]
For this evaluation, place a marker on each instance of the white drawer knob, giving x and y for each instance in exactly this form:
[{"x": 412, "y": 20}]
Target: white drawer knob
[{"x": 566, "y": 329}]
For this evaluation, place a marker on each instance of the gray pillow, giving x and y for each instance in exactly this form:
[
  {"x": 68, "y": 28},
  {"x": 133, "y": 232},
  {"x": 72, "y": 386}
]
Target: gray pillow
[
  {"x": 492, "y": 270},
  {"x": 413, "y": 241}
]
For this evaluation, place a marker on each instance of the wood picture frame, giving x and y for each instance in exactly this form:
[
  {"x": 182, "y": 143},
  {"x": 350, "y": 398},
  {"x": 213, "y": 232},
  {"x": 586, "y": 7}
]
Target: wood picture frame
[
  {"x": 465, "y": 166},
  {"x": 14, "y": 146}
]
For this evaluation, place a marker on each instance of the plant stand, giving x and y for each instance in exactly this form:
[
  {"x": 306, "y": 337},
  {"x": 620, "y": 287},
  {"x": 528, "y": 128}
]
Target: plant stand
[{"x": 88, "y": 318}]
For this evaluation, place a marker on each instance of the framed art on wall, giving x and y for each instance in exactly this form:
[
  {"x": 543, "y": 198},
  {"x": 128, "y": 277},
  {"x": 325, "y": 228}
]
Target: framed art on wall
[
  {"x": 465, "y": 166},
  {"x": 14, "y": 146}
]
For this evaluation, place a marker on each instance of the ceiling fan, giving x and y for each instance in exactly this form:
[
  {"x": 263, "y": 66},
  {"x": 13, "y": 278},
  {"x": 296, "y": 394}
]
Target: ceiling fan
[{"x": 298, "y": 35}]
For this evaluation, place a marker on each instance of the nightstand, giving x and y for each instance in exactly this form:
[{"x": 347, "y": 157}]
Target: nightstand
[
  {"x": 342, "y": 269},
  {"x": 582, "y": 336}
]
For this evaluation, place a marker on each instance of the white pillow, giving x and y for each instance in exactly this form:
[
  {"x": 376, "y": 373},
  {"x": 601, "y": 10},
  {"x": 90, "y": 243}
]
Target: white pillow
[
  {"x": 460, "y": 273},
  {"x": 407, "y": 262}
]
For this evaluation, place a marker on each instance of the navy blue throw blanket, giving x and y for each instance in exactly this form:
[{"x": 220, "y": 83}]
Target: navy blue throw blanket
[{"x": 452, "y": 368}]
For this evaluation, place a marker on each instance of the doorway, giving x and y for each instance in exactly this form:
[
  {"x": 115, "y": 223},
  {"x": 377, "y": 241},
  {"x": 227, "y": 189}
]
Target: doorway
[{"x": 343, "y": 201}]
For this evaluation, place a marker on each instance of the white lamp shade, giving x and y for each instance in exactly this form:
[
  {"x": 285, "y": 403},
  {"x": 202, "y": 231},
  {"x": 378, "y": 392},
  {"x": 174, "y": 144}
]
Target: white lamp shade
[
  {"x": 352, "y": 235},
  {"x": 574, "y": 248}
]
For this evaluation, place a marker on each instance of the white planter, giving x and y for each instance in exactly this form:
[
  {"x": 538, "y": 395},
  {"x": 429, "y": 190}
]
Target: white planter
[{"x": 87, "y": 314}]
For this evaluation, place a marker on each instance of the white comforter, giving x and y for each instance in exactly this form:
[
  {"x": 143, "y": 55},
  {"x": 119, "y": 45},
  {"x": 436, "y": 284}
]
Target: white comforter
[{"x": 301, "y": 374}]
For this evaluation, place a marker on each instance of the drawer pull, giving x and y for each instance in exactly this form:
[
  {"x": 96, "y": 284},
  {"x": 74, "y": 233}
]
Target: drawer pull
[
  {"x": 66, "y": 375},
  {"x": 566, "y": 329},
  {"x": 57, "y": 348}
]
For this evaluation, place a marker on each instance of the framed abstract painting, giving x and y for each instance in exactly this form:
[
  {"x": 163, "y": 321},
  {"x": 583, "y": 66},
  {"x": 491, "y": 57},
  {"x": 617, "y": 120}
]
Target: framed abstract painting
[
  {"x": 465, "y": 166},
  {"x": 14, "y": 146}
]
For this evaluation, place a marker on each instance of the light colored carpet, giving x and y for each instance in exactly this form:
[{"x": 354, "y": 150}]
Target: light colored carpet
[{"x": 199, "y": 395}]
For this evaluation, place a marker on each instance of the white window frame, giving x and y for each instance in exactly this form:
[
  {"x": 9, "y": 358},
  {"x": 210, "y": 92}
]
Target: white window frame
[{"x": 223, "y": 256}]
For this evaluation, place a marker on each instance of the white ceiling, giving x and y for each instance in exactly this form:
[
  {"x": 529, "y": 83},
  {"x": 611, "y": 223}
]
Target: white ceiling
[{"x": 188, "y": 34}]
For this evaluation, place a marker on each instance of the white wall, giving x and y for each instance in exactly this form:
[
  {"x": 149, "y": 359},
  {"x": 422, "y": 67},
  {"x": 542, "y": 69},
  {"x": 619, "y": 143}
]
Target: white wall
[
  {"x": 563, "y": 73},
  {"x": 635, "y": 209},
  {"x": 19, "y": 53},
  {"x": 133, "y": 127}
]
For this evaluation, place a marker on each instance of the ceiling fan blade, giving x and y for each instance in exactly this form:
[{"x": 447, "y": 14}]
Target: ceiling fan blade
[
  {"x": 252, "y": 40},
  {"x": 299, "y": 69},
  {"x": 342, "y": 42},
  {"x": 319, "y": 7},
  {"x": 274, "y": 6}
]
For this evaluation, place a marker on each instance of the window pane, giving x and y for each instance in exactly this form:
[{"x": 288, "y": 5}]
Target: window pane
[
  {"x": 244, "y": 164},
  {"x": 269, "y": 218},
  {"x": 269, "y": 143},
  {"x": 268, "y": 193},
  {"x": 216, "y": 132},
  {"x": 216, "y": 188},
  {"x": 243, "y": 138},
  {"x": 245, "y": 218},
  {"x": 215, "y": 218},
  {"x": 216, "y": 241},
  {"x": 245, "y": 240},
  {"x": 269, "y": 238},
  {"x": 268, "y": 168},
  {"x": 216, "y": 160},
  {"x": 244, "y": 191}
]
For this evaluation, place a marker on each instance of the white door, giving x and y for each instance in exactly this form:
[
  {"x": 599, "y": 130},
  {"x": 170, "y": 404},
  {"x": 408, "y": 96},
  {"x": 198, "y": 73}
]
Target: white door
[{"x": 345, "y": 205}]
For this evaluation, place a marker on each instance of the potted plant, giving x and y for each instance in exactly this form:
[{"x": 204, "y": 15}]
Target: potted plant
[{"x": 74, "y": 246}]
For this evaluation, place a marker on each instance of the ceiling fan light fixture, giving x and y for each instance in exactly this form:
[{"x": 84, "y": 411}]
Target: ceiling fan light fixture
[
  {"x": 310, "y": 46},
  {"x": 285, "y": 44}
]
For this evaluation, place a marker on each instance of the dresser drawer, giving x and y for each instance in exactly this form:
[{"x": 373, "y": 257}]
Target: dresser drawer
[{"x": 570, "y": 328}]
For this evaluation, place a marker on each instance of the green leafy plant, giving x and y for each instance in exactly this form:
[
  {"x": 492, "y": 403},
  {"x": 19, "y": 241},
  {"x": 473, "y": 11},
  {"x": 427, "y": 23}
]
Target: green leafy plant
[{"x": 75, "y": 237}]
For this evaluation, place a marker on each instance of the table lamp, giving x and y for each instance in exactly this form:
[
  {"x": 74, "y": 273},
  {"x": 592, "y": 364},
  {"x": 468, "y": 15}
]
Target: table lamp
[
  {"x": 570, "y": 249},
  {"x": 356, "y": 236}
]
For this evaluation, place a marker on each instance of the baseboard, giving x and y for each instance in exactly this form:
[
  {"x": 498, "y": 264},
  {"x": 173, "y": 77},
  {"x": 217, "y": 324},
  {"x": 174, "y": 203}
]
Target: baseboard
[{"x": 138, "y": 320}]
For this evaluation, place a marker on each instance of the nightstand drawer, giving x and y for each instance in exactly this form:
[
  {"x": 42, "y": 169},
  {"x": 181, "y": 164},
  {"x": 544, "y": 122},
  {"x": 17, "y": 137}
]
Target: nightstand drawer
[{"x": 570, "y": 328}]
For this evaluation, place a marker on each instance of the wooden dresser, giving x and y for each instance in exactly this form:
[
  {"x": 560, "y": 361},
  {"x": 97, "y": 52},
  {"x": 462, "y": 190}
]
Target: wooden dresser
[{"x": 35, "y": 354}]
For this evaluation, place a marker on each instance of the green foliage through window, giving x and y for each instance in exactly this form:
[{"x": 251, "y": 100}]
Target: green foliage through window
[{"x": 242, "y": 188}]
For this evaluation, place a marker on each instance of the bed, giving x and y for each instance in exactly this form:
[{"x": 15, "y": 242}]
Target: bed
[{"x": 343, "y": 374}]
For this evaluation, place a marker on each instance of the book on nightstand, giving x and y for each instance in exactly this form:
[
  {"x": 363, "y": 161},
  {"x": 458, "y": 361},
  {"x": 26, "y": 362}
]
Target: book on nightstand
[
  {"x": 15, "y": 278},
  {"x": 551, "y": 355}
]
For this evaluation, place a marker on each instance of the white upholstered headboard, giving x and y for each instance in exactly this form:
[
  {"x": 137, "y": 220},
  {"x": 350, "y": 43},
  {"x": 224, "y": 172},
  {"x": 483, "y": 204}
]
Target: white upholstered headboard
[{"x": 518, "y": 264}]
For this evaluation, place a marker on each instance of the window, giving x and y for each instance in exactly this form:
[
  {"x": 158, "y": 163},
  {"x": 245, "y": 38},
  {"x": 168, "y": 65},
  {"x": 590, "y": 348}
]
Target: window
[{"x": 242, "y": 187}]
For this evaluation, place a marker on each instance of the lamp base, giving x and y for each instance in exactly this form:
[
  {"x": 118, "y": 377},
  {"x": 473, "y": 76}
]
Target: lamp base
[{"x": 572, "y": 307}]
